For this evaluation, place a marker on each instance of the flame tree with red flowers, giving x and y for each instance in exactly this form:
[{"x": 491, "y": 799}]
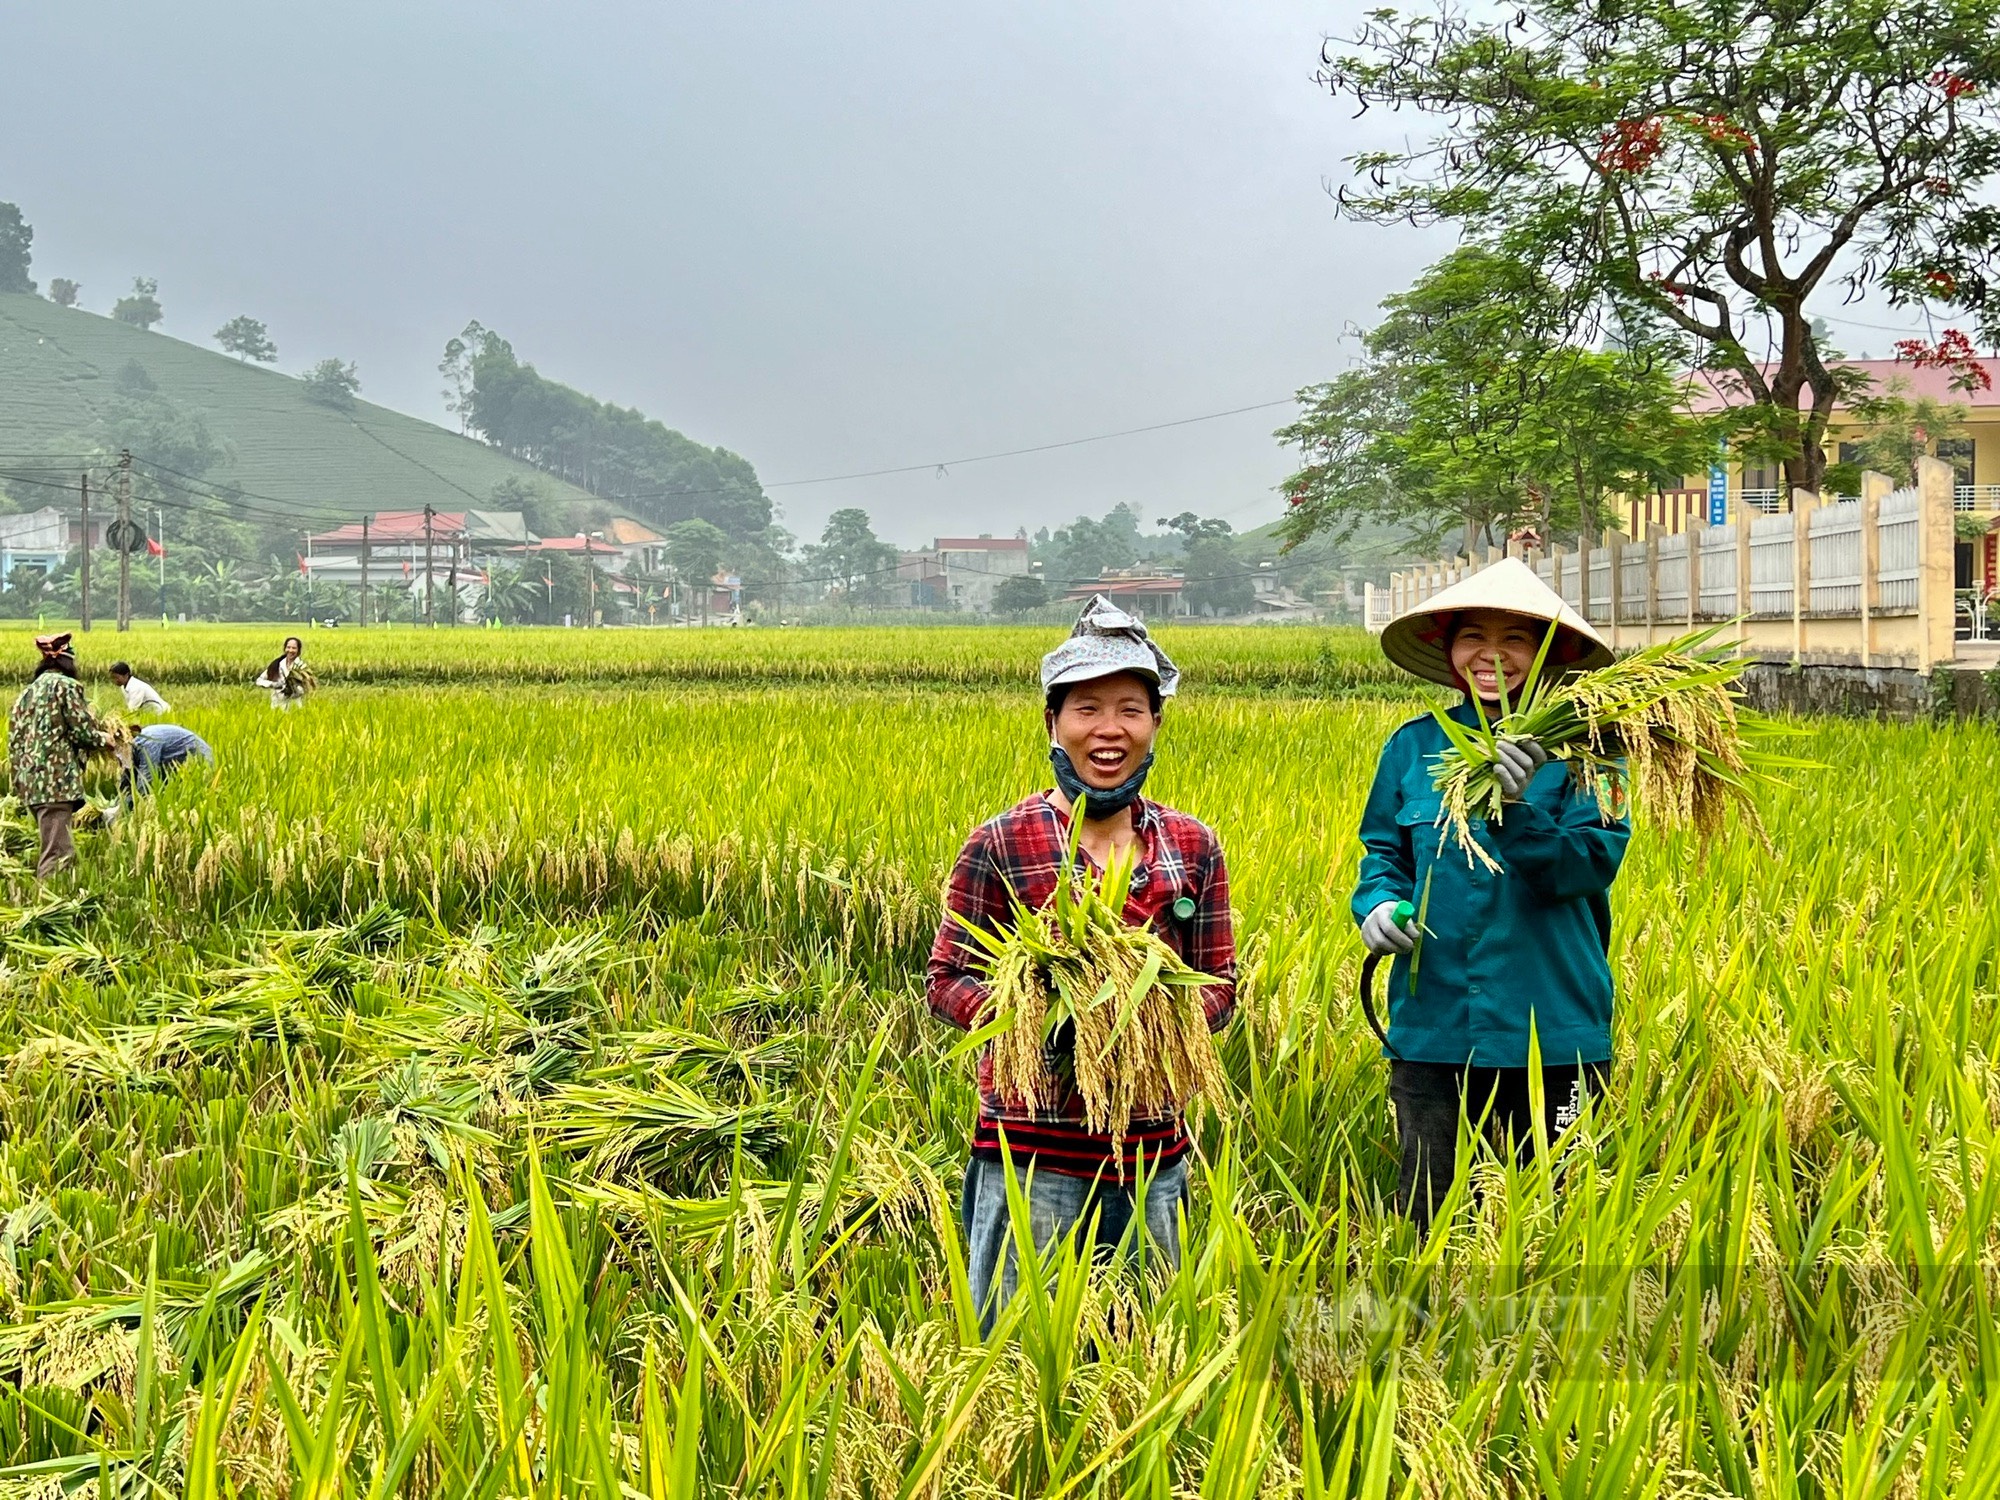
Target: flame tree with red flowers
[{"x": 1716, "y": 168}]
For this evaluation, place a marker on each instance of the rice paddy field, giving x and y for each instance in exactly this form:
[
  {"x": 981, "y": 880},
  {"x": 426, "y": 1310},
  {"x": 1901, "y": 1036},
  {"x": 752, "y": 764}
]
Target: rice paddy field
[{"x": 508, "y": 1074}]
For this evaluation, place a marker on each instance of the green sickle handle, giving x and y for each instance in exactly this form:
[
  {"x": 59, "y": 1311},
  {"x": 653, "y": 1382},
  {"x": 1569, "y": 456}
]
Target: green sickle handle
[{"x": 1404, "y": 912}]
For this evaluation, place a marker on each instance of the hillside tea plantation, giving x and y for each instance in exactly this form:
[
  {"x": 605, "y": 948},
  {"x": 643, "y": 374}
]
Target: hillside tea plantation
[{"x": 485, "y": 1084}]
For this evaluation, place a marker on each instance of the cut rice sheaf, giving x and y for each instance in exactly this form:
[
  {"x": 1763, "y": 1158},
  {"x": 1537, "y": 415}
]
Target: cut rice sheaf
[
  {"x": 1074, "y": 989},
  {"x": 1664, "y": 727}
]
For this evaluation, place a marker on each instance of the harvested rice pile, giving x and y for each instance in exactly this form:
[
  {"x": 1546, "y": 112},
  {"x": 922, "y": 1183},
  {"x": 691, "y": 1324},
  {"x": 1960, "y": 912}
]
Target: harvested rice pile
[
  {"x": 1664, "y": 726},
  {"x": 1077, "y": 991}
]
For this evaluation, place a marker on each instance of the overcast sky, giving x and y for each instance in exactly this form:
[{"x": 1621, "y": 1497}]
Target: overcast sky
[{"x": 830, "y": 237}]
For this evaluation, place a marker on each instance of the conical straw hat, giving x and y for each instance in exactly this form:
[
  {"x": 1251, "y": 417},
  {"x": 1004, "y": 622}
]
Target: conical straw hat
[{"x": 1418, "y": 639}]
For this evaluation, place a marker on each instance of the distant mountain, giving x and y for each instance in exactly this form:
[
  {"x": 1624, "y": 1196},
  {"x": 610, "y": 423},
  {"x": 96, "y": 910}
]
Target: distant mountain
[{"x": 70, "y": 380}]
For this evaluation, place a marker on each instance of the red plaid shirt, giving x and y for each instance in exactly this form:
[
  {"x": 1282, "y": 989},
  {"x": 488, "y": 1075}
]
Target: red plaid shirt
[{"x": 1020, "y": 853}]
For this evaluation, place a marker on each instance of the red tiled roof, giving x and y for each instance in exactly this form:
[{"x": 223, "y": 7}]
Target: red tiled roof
[
  {"x": 1712, "y": 388},
  {"x": 390, "y": 526},
  {"x": 980, "y": 544}
]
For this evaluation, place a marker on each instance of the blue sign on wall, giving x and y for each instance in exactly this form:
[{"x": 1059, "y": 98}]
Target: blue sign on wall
[{"x": 1718, "y": 495}]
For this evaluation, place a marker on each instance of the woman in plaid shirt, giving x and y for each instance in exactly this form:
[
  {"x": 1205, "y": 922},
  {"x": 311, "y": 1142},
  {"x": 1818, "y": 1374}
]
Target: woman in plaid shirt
[{"x": 1104, "y": 688}]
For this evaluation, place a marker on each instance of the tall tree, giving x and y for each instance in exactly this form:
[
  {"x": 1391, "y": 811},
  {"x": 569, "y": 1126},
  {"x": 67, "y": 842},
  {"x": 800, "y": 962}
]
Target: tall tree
[
  {"x": 1473, "y": 414},
  {"x": 17, "y": 236},
  {"x": 142, "y": 308},
  {"x": 1216, "y": 580},
  {"x": 246, "y": 338},
  {"x": 456, "y": 368},
  {"x": 1716, "y": 166},
  {"x": 332, "y": 383},
  {"x": 851, "y": 559},
  {"x": 1019, "y": 594},
  {"x": 694, "y": 548},
  {"x": 1086, "y": 547},
  {"x": 63, "y": 292},
  {"x": 639, "y": 464}
]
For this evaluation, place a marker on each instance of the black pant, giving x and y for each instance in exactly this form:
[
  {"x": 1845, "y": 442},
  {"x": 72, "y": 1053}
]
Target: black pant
[{"x": 1429, "y": 1098}]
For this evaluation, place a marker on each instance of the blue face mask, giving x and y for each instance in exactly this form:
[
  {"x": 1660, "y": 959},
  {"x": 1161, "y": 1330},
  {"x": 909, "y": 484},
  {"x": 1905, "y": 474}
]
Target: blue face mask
[{"x": 1097, "y": 802}]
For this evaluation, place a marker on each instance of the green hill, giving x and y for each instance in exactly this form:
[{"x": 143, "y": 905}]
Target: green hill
[{"x": 62, "y": 372}]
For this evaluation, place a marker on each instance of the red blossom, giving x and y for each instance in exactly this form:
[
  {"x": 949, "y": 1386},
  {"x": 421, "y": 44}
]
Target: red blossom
[
  {"x": 1631, "y": 145},
  {"x": 1720, "y": 129},
  {"x": 1955, "y": 85},
  {"x": 1942, "y": 282},
  {"x": 1952, "y": 352}
]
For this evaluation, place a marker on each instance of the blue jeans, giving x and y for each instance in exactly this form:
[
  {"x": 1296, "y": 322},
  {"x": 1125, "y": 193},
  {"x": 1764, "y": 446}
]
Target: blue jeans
[{"x": 1059, "y": 1205}]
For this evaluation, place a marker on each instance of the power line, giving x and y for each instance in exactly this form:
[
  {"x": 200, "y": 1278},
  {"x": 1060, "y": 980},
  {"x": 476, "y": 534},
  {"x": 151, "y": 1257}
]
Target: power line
[
  {"x": 936, "y": 466},
  {"x": 980, "y": 458}
]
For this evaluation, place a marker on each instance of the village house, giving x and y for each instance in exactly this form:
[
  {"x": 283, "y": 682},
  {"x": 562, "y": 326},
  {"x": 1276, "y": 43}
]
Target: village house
[
  {"x": 957, "y": 572},
  {"x": 1150, "y": 593},
  {"x": 1732, "y": 489},
  {"x": 41, "y": 539}
]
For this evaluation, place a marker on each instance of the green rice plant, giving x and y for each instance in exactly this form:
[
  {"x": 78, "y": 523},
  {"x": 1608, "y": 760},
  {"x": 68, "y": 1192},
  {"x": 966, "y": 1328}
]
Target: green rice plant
[{"x": 1758, "y": 1270}]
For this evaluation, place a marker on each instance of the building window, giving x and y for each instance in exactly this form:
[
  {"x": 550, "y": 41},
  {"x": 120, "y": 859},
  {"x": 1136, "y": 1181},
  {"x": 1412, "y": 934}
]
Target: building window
[
  {"x": 1958, "y": 453},
  {"x": 1850, "y": 453}
]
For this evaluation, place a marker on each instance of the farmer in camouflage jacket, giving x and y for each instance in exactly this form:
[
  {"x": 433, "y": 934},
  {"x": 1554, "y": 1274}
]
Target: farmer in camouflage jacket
[{"x": 51, "y": 735}]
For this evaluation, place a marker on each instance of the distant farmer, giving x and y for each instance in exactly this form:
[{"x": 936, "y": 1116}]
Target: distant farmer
[
  {"x": 139, "y": 695},
  {"x": 51, "y": 735},
  {"x": 1503, "y": 955},
  {"x": 1103, "y": 692},
  {"x": 286, "y": 676},
  {"x": 158, "y": 750}
]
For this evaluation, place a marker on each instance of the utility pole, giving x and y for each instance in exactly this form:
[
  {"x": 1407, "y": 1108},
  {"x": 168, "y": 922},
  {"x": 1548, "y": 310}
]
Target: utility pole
[
  {"x": 364, "y": 570},
  {"x": 160, "y": 535},
  {"x": 590, "y": 570},
  {"x": 83, "y": 483},
  {"x": 312, "y": 611},
  {"x": 451, "y": 586},
  {"x": 125, "y": 540},
  {"x": 430, "y": 617}
]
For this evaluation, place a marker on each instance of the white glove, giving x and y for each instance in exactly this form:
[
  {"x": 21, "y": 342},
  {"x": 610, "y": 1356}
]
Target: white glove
[
  {"x": 1381, "y": 934},
  {"x": 1518, "y": 761}
]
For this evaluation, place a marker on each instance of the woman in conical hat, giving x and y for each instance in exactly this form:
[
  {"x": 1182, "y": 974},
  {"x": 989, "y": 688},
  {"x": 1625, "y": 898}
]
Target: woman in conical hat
[{"x": 1491, "y": 960}]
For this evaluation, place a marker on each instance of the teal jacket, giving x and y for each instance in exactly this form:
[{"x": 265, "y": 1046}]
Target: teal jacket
[{"x": 1503, "y": 952}]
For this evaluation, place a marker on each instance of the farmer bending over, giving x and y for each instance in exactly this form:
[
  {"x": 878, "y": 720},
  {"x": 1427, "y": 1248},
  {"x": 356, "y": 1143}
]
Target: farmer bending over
[
  {"x": 51, "y": 735},
  {"x": 1103, "y": 689},
  {"x": 1502, "y": 954}
]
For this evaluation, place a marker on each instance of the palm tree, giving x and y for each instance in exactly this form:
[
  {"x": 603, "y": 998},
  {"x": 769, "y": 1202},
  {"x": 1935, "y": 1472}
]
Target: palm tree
[
  {"x": 507, "y": 594},
  {"x": 228, "y": 587}
]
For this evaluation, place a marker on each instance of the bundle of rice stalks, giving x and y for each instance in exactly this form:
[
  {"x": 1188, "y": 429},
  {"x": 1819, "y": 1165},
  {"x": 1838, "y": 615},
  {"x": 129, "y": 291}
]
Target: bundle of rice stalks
[
  {"x": 52, "y": 919},
  {"x": 1079, "y": 998},
  {"x": 1664, "y": 726},
  {"x": 118, "y": 732},
  {"x": 666, "y": 1132}
]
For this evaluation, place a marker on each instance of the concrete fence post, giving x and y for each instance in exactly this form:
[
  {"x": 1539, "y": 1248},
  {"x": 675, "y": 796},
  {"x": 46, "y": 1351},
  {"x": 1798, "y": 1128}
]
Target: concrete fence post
[{"x": 1937, "y": 601}]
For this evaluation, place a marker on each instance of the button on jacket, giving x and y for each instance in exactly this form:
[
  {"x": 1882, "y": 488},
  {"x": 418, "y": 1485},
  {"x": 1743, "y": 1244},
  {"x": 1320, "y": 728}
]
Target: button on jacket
[{"x": 1503, "y": 952}]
